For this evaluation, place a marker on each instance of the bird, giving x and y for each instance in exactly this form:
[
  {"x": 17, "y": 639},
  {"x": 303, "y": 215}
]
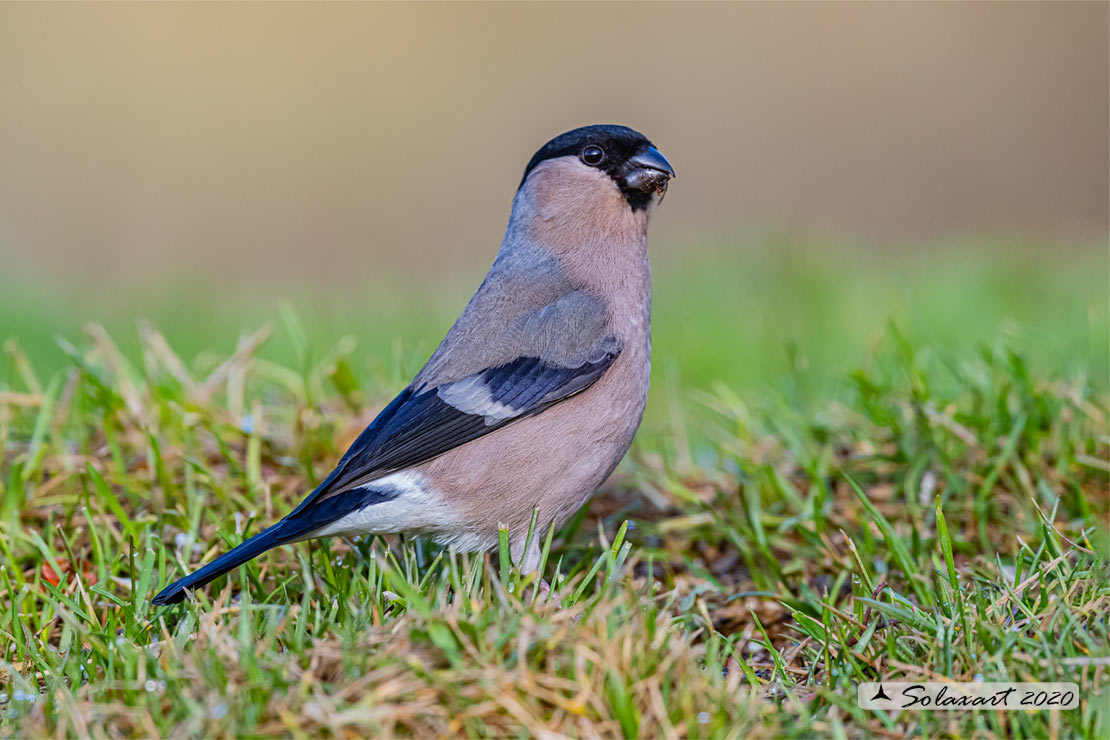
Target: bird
[{"x": 535, "y": 393}]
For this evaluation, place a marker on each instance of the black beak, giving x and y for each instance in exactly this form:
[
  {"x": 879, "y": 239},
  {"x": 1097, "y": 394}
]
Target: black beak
[
  {"x": 652, "y": 159},
  {"x": 647, "y": 171}
]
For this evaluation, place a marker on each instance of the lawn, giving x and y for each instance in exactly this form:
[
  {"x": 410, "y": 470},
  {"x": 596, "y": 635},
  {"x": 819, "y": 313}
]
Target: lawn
[{"x": 855, "y": 465}]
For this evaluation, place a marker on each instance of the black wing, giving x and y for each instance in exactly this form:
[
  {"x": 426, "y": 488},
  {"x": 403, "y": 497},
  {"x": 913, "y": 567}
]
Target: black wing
[{"x": 421, "y": 424}]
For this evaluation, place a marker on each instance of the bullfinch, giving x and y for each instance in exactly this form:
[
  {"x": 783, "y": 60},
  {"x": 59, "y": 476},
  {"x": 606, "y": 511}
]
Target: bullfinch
[{"x": 534, "y": 395}]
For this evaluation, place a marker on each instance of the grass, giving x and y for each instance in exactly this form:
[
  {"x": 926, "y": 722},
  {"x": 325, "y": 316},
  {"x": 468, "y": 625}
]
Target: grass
[{"x": 924, "y": 507}]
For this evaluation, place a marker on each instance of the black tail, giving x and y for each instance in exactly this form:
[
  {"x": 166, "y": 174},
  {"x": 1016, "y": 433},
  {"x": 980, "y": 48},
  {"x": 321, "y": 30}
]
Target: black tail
[
  {"x": 278, "y": 534},
  {"x": 310, "y": 516}
]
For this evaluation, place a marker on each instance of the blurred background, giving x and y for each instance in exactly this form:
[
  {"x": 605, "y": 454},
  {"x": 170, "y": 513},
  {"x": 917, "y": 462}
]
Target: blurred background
[{"x": 841, "y": 166}]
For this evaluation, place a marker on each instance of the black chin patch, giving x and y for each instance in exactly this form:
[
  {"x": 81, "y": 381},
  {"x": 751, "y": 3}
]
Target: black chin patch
[
  {"x": 620, "y": 143},
  {"x": 638, "y": 199}
]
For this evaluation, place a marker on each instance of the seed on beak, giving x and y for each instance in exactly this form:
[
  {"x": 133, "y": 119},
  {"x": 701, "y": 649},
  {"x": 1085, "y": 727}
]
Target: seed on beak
[{"x": 661, "y": 189}]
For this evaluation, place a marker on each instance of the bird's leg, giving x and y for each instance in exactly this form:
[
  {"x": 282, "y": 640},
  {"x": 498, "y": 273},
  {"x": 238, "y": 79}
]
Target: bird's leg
[
  {"x": 545, "y": 590},
  {"x": 529, "y": 562}
]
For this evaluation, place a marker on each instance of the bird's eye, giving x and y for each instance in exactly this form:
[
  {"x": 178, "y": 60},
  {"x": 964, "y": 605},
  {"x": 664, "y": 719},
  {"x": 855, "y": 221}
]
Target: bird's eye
[{"x": 593, "y": 155}]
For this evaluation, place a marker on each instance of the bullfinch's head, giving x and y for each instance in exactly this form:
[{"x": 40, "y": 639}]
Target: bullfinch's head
[{"x": 593, "y": 160}]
